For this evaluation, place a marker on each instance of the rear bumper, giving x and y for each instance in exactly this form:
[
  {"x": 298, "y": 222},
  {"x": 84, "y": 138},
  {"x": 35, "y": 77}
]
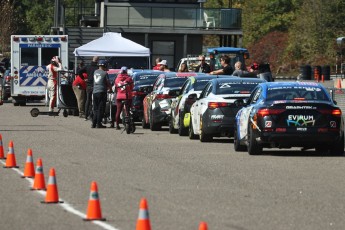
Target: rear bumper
[
  {"x": 299, "y": 140},
  {"x": 223, "y": 128}
]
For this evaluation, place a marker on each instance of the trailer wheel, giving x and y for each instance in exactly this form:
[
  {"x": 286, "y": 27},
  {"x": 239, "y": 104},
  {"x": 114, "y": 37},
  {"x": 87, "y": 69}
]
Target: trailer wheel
[
  {"x": 65, "y": 113},
  {"x": 34, "y": 112}
]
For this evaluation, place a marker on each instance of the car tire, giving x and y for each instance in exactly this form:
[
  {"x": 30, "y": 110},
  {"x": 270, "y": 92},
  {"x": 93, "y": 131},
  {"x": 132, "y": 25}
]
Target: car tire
[
  {"x": 144, "y": 125},
  {"x": 237, "y": 144},
  {"x": 203, "y": 136},
  {"x": 153, "y": 126},
  {"x": 172, "y": 130},
  {"x": 338, "y": 147},
  {"x": 254, "y": 148},
  {"x": 182, "y": 131},
  {"x": 191, "y": 134}
]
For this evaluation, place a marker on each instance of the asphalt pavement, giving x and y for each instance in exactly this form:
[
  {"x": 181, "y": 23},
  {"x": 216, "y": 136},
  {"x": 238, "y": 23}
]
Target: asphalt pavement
[{"x": 184, "y": 181}]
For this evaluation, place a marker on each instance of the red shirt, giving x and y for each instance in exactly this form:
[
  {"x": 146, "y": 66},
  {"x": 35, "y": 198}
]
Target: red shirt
[
  {"x": 79, "y": 81},
  {"x": 157, "y": 67}
]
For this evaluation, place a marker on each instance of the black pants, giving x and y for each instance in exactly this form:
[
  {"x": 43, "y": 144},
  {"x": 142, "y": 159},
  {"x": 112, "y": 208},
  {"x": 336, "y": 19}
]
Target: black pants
[
  {"x": 99, "y": 100},
  {"x": 88, "y": 103}
]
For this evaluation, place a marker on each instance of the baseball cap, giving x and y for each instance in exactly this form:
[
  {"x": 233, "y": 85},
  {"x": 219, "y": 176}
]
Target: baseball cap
[
  {"x": 123, "y": 69},
  {"x": 163, "y": 62},
  {"x": 102, "y": 62}
]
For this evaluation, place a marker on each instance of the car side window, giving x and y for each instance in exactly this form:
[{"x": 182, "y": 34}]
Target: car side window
[
  {"x": 157, "y": 83},
  {"x": 209, "y": 90},
  {"x": 185, "y": 87},
  {"x": 255, "y": 95},
  {"x": 204, "y": 91}
]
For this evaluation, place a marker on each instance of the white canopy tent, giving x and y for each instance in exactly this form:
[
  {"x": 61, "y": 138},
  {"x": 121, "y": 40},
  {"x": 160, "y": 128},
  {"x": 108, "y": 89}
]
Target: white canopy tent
[{"x": 112, "y": 44}]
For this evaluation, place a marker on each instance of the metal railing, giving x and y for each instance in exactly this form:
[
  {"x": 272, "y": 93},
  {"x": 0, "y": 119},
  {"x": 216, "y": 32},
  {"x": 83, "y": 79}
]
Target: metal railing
[{"x": 163, "y": 17}]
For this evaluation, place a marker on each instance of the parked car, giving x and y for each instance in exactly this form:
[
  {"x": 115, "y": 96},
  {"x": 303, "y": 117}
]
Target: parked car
[
  {"x": 6, "y": 85},
  {"x": 160, "y": 95},
  {"x": 140, "y": 79},
  {"x": 289, "y": 114},
  {"x": 180, "y": 108},
  {"x": 213, "y": 113}
]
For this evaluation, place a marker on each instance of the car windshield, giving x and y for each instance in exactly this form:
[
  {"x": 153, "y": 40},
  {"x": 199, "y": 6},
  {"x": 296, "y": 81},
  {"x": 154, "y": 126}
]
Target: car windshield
[
  {"x": 296, "y": 93},
  {"x": 145, "y": 79},
  {"x": 200, "y": 84},
  {"x": 175, "y": 82},
  {"x": 235, "y": 87}
]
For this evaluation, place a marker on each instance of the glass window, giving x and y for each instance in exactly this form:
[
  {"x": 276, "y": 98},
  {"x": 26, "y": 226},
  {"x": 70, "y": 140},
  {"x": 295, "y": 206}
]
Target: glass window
[
  {"x": 29, "y": 57},
  {"x": 47, "y": 54},
  {"x": 175, "y": 82},
  {"x": 165, "y": 50}
]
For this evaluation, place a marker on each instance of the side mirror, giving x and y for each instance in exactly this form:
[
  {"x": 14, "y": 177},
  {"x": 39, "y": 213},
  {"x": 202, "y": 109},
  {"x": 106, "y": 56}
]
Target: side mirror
[
  {"x": 174, "y": 92},
  {"x": 192, "y": 97},
  {"x": 335, "y": 102},
  {"x": 241, "y": 102},
  {"x": 146, "y": 89}
]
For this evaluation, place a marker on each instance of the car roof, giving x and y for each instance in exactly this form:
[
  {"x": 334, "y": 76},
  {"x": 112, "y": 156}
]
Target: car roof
[
  {"x": 181, "y": 74},
  {"x": 238, "y": 79},
  {"x": 291, "y": 84}
]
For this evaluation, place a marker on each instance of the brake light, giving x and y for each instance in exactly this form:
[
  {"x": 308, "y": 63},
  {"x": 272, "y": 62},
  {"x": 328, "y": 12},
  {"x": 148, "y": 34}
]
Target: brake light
[
  {"x": 16, "y": 39},
  {"x": 268, "y": 112},
  {"x": 334, "y": 112},
  {"x": 39, "y": 39},
  {"x": 162, "y": 96},
  {"x": 64, "y": 38},
  {"x": 8, "y": 78},
  {"x": 138, "y": 93},
  {"x": 215, "y": 105}
]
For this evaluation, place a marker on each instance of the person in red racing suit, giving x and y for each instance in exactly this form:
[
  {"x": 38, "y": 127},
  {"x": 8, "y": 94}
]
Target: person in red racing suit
[
  {"x": 122, "y": 79},
  {"x": 53, "y": 69}
]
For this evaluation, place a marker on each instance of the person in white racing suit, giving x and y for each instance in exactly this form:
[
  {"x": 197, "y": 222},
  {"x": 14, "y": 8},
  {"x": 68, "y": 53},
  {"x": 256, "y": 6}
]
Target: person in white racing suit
[{"x": 53, "y": 69}]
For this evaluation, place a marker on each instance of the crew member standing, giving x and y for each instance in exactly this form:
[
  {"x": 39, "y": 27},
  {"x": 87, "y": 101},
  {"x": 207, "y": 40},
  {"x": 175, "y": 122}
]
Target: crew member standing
[
  {"x": 53, "y": 68},
  {"x": 124, "y": 83},
  {"x": 90, "y": 69},
  {"x": 101, "y": 85}
]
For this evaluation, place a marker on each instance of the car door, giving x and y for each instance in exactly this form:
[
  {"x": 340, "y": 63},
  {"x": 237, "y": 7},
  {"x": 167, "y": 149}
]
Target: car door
[
  {"x": 244, "y": 116},
  {"x": 201, "y": 105},
  {"x": 147, "y": 103}
]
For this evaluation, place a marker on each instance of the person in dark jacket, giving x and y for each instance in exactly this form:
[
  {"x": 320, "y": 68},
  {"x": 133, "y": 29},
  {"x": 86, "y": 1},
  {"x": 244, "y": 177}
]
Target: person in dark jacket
[
  {"x": 90, "y": 69},
  {"x": 203, "y": 67},
  {"x": 101, "y": 85}
]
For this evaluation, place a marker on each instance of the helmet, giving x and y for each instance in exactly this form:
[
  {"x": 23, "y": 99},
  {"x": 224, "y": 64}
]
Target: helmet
[
  {"x": 102, "y": 63},
  {"x": 123, "y": 69}
]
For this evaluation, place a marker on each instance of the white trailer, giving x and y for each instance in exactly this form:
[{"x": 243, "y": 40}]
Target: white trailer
[{"x": 30, "y": 54}]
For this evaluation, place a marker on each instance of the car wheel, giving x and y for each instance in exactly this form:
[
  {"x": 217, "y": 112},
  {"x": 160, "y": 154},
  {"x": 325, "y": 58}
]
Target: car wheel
[
  {"x": 191, "y": 134},
  {"x": 237, "y": 144},
  {"x": 203, "y": 136},
  {"x": 338, "y": 147},
  {"x": 172, "y": 130},
  {"x": 144, "y": 125},
  {"x": 254, "y": 148},
  {"x": 182, "y": 131},
  {"x": 153, "y": 126}
]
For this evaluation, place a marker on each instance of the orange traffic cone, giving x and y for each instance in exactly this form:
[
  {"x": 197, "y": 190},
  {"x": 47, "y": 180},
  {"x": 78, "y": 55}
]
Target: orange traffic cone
[
  {"x": 338, "y": 84},
  {"x": 29, "y": 169},
  {"x": 39, "y": 183},
  {"x": 52, "y": 195},
  {"x": 2, "y": 155},
  {"x": 203, "y": 226},
  {"x": 143, "y": 222},
  {"x": 94, "y": 206},
  {"x": 11, "y": 157}
]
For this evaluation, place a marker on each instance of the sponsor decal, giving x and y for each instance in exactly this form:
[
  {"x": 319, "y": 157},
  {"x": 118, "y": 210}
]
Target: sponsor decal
[
  {"x": 333, "y": 124},
  {"x": 300, "y": 120},
  {"x": 268, "y": 124},
  {"x": 301, "y": 129},
  {"x": 300, "y": 107},
  {"x": 217, "y": 117}
]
